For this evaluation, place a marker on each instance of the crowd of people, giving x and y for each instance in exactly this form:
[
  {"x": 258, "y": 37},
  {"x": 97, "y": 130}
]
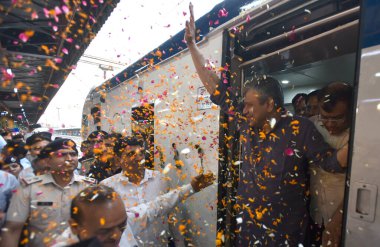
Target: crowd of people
[{"x": 53, "y": 199}]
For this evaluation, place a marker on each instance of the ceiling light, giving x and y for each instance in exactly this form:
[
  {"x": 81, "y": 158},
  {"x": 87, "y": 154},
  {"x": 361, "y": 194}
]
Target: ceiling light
[
  {"x": 285, "y": 81},
  {"x": 15, "y": 90},
  {"x": 20, "y": 105},
  {"x": 377, "y": 74}
]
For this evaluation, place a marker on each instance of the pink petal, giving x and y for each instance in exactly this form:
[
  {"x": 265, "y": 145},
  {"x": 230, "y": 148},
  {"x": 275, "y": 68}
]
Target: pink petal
[
  {"x": 65, "y": 51},
  {"x": 57, "y": 10},
  {"x": 223, "y": 13},
  {"x": 35, "y": 98},
  {"x": 84, "y": 3},
  {"x": 70, "y": 40},
  {"x": 34, "y": 15},
  {"x": 46, "y": 12},
  {"x": 55, "y": 28},
  {"x": 204, "y": 138},
  {"x": 289, "y": 152},
  {"x": 58, "y": 60},
  {"x": 23, "y": 37},
  {"x": 65, "y": 9},
  {"x": 184, "y": 13},
  {"x": 51, "y": 130}
]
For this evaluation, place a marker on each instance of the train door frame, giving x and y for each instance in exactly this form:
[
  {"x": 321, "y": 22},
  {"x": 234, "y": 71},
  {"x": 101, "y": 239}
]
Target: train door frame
[{"x": 361, "y": 219}]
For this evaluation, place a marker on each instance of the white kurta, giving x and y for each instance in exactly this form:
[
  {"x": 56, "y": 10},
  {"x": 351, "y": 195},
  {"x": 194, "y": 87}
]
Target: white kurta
[
  {"x": 327, "y": 189},
  {"x": 152, "y": 185}
]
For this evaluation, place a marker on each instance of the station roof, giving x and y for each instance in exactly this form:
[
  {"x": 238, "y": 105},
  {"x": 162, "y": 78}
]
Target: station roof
[{"x": 40, "y": 42}]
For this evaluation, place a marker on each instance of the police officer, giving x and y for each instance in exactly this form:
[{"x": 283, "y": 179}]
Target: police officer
[{"x": 44, "y": 201}]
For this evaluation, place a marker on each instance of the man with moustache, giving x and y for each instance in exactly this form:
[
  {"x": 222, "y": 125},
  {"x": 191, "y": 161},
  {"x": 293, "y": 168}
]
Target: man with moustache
[
  {"x": 137, "y": 185},
  {"x": 277, "y": 150},
  {"x": 327, "y": 189},
  {"x": 44, "y": 201}
]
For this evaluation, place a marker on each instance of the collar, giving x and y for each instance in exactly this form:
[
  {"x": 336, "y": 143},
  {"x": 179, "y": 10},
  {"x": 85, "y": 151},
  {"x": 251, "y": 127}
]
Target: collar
[
  {"x": 48, "y": 178},
  {"x": 149, "y": 174}
]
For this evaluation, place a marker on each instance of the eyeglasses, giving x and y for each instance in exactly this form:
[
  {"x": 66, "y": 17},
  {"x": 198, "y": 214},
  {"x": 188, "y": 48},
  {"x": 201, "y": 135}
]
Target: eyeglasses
[
  {"x": 331, "y": 119},
  {"x": 63, "y": 154}
]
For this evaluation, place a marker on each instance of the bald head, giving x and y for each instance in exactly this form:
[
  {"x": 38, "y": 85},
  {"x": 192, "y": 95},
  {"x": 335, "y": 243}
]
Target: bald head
[{"x": 98, "y": 211}]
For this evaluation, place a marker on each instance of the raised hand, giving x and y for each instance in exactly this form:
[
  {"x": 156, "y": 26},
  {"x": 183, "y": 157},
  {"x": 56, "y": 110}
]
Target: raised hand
[
  {"x": 202, "y": 181},
  {"x": 190, "y": 28}
]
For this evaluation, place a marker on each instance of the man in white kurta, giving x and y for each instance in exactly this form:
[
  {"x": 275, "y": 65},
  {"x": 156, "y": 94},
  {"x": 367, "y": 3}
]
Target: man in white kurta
[
  {"x": 98, "y": 213},
  {"x": 137, "y": 185}
]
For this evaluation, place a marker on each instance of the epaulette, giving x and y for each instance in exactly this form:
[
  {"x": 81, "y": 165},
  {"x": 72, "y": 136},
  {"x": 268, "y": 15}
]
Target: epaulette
[
  {"x": 31, "y": 180},
  {"x": 89, "y": 180}
]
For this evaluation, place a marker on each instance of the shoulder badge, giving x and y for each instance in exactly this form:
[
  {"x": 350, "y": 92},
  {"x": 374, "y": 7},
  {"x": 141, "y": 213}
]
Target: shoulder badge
[
  {"x": 89, "y": 180},
  {"x": 32, "y": 180}
]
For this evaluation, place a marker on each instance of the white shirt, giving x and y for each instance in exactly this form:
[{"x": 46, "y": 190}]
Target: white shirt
[
  {"x": 327, "y": 189},
  {"x": 138, "y": 217},
  {"x": 26, "y": 173},
  {"x": 152, "y": 185},
  {"x": 25, "y": 163},
  {"x": 8, "y": 183},
  {"x": 3, "y": 142}
]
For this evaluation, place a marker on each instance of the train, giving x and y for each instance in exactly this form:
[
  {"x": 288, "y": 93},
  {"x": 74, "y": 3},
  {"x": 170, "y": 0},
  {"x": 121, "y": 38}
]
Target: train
[{"x": 303, "y": 44}]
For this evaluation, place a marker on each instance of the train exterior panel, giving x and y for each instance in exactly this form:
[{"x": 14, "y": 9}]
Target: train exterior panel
[
  {"x": 183, "y": 114},
  {"x": 363, "y": 206}
]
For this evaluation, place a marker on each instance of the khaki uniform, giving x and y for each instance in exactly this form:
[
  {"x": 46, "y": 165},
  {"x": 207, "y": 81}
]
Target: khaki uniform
[{"x": 45, "y": 206}]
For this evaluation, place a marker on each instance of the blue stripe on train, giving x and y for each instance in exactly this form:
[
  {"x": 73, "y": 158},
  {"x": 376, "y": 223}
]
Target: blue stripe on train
[{"x": 371, "y": 23}]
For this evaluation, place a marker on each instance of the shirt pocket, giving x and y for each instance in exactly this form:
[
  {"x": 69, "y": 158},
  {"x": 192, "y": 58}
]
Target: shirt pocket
[{"x": 43, "y": 213}]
